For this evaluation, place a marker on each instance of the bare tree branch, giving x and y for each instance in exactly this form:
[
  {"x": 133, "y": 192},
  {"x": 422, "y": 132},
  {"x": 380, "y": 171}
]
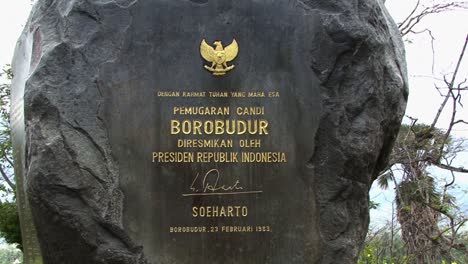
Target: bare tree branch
[
  {"x": 404, "y": 22},
  {"x": 450, "y": 168},
  {"x": 460, "y": 121},
  {"x": 415, "y": 17},
  {"x": 8, "y": 160},
  {"x": 7, "y": 179},
  {"x": 450, "y": 86}
]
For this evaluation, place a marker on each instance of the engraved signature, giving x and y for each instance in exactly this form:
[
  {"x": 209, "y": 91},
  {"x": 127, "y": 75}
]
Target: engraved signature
[{"x": 211, "y": 182}]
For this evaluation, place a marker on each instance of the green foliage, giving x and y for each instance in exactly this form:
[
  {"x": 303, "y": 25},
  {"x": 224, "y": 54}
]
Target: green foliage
[
  {"x": 418, "y": 143},
  {"x": 428, "y": 215},
  {"x": 9, "y": 224},
  {"x": 9, "y": 220},
  {"x": 5, "y": 93},
  {"x": 421, "y": 190},
  {"x": 6, "y": 151},
  {"x": 5, "y": 141},
  {"x": 373, "y": 205},
  {"x": 384, "y": 179},
  {"x": 416, "y": 148},
  {"x": 381, "y": 247}
]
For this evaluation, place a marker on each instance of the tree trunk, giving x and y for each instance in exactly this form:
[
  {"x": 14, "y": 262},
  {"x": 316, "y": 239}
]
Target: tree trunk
[{"x": 418, "y": 225}]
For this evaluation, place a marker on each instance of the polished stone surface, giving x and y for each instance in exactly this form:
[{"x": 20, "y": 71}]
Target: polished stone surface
[{"x": 94, "y": 118}]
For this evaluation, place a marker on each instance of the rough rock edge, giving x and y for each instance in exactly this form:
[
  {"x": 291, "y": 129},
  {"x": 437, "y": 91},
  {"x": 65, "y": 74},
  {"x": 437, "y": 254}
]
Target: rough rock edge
[
  {"x": 72, "y": 178},
  {"x": 360, "y": 120}
]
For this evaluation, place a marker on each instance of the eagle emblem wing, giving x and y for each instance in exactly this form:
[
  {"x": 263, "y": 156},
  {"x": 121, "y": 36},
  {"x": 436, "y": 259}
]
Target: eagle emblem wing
[
  {"x": 219, "y": 56},
  {"x": 206, "y": 51},
  {"x": 231, "y": 51}
]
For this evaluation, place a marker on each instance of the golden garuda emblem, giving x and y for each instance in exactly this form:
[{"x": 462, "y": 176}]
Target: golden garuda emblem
[{"x": 219, "y": 56}]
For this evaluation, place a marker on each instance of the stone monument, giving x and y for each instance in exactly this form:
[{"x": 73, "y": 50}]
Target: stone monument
[{"x": 202, "y": 131}]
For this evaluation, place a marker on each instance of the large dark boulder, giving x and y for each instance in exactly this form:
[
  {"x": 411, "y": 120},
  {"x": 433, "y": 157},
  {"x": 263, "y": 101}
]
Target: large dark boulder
[{"x": 88, "y": 73}]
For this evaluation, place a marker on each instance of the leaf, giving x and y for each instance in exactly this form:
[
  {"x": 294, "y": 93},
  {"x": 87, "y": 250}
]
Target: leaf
[{"x": 384, "y": 179}]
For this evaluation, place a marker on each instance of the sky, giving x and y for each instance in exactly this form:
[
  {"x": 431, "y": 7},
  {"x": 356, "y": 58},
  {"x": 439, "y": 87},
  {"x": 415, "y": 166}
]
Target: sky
[
  {"x": 448, "y": 29},
  {"x": 13, "y": 16}
]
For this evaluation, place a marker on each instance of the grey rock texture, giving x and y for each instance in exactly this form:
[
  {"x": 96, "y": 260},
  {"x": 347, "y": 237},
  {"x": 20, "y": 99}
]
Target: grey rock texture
[
  {"x": 364, "y": 91},
  {"x": 73, "y": 170},
  {"x": 72, "y": 179}
]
